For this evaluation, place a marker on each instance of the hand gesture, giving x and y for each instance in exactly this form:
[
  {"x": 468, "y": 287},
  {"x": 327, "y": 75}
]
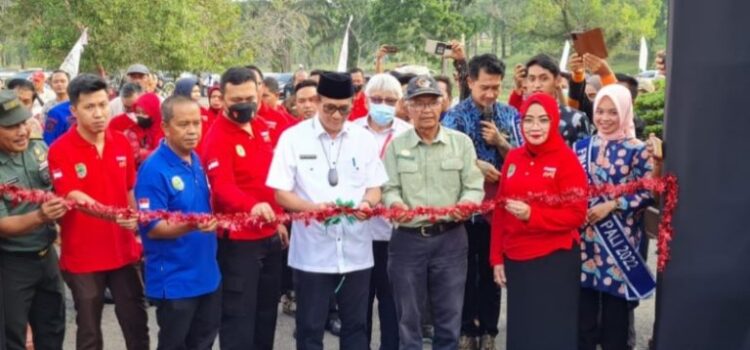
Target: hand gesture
[
  {"x": 208, "y": 226},
  {"x": 456, "y": 52},
  {"x": 263, "y": 210},
  {"x": 53, "y": 209},
  {"x": 403, "y": 217},
  {"x": 491, "y": 174},
  {"x": 575, "y": 64},
  {"x": 499, "y": 273},
  {"x": 600, "y": 211},
  {"x": 520, "y": 210}
]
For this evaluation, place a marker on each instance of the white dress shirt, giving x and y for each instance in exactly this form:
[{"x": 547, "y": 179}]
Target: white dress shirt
[
  {"x": 301, "y": 164},
  {"x": 380, "y": 228}
]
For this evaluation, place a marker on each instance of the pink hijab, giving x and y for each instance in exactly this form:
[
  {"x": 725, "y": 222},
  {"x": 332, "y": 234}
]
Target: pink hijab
[{"x": 623, "y": 102}]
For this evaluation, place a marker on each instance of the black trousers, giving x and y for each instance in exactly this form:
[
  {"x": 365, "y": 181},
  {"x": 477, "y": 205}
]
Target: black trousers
[
  {"x": 313, "y": 299},
  {"x": 482, "y": 294},
  {"x": 287, "y": 282},
  {"x": 251, "y": 283},
  {"x": 543, "y": 296},
  {"x": 604, "y": 319},
  {"x": 189, "y": 323},
  {"x": 380, "y": 286},
  {"x": 126, "y": 286},
  {"x": 34, "y": 293}
]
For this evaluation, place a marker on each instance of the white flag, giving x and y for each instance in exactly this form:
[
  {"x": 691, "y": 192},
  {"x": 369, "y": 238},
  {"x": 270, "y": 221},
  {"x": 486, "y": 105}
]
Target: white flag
[
  {"x": 344, "y": 54},
  {"x": 73, "y": 60},
  {"x": 643, "y": 59},
  {"x": 564, "y": 58}
]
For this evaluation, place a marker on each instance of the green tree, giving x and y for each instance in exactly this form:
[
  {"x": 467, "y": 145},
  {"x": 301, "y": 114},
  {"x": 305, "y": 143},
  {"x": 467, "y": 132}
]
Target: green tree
[
  {"x": 173, "y": 35},
  {"x": 623, "y": 21}
]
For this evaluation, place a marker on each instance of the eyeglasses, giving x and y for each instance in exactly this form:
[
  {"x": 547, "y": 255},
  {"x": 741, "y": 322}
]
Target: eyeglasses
[
  {"x": 378, "y": 100},
  {"x": 422, "y": 106},
  {"x": 332, "y": 109}
]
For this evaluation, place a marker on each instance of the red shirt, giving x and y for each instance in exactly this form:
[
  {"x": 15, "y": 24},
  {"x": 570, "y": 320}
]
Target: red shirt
[
  {"x": 142, "y": 141},
  {"x": 237, "y": 166},
  {"x": 275, "y": 122},
  {"x": 359, "y": 108},
  {"x": 549, "y": 228},
  {"x": 91, "y": 244},
  {"x": 515, "y": 100}
]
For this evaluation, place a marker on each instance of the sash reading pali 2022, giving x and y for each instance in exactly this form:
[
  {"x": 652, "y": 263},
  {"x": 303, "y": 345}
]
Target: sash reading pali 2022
[{"x": 611, "y": 231}]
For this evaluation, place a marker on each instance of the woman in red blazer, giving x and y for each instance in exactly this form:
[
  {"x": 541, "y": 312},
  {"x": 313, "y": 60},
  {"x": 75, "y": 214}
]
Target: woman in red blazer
[{"x": 534, "y": 246}]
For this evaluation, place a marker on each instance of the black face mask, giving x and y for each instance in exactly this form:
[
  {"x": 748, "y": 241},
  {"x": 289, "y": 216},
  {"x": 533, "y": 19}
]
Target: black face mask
[
  {"x": 243, "y": 112},
  {"x": 144, "y": 122},
  {"x": 357, "y": 88}
]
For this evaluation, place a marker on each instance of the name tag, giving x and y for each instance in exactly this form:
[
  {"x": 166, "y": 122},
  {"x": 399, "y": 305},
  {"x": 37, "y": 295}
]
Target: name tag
[
  {"x": 12, "y": 181},
  {"x": 308, "y": 156},
  {"x": 402, "y": 156}
]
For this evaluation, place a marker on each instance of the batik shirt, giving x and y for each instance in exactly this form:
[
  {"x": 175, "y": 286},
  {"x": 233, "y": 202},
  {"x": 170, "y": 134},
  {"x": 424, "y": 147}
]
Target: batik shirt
[{"x": 624, "y": 161}]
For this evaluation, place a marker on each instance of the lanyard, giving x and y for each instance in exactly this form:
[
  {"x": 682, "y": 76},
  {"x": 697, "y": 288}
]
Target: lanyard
[{"x": 385, "y": 145}]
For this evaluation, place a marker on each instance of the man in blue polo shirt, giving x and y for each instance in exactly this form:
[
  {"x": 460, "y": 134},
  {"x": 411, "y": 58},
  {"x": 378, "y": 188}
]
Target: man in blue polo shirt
[{"x": 182, "y": 273}]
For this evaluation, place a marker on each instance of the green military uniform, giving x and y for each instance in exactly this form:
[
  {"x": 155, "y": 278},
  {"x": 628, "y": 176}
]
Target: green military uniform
[{"x": 32, "y": 287}]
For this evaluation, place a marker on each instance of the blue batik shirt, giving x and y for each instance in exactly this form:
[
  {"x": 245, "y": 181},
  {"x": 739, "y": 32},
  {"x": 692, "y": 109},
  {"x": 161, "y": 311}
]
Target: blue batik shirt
[
  {"x": 466, "y": 117},
  {"x": 186, "y": 266}
]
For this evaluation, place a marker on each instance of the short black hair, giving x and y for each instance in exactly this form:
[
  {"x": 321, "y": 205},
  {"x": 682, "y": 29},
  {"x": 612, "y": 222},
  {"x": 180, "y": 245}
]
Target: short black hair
[
  {"x": 447, "y": 81},
  {"x": 305, "y": 83},
  {"x": 316, "y": 72},
  {"x": 167, "y": 107},
  {"x": 489, "y": 63},
  {"x": 85, "y": 84},
  {"x": 271, "y": 83},
  {"x": 130, "y": 89},
  {"x": 356, "y": 70},
  {"x": 255, "y": 68},
  {"x": 58, "y": 71},
  {"x": 546, "y": 62},
  {"x": 237, "y": 76},
  {"x": 22, "y": 84},
  {"x": 632, "y": 83}
]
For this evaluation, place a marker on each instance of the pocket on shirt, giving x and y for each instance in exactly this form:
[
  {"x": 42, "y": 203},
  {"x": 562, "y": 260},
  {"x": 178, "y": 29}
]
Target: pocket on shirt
[{"x": 450, "y": 172}]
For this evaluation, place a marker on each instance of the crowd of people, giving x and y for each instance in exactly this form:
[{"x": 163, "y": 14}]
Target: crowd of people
[{"x": 573, "y": 271}]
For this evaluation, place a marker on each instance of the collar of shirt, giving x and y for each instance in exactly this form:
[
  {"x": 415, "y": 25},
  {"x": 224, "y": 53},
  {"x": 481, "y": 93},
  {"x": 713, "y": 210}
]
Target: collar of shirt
[
  {"x": 414, "y": 139},
  {"x": 173, "y": 159},
  {"x": 397, "y": 126},
  {"x": 79, "y": 141},
  {"x": 321, "y": 132}
]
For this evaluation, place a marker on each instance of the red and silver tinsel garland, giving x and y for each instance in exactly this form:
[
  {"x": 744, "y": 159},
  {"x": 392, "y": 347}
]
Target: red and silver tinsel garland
[{"x": 667, "y": 186}]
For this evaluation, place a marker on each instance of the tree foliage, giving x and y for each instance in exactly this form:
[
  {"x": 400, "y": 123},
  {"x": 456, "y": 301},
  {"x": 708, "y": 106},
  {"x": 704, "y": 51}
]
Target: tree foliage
[{"x": 170, "y": 34}]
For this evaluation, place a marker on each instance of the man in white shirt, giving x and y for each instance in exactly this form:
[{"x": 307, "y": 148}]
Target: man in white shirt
[
  {"x": 318, "y": 163},
  {"x": 382, "y": 93},
  {"x": 136, "y": 73}
]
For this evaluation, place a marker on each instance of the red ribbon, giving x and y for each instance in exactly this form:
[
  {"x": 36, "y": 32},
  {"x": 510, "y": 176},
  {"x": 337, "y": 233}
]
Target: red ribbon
[{"x": 245, "y": 221}]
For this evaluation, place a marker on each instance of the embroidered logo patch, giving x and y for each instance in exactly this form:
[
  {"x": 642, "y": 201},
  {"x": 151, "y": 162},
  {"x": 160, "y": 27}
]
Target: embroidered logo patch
[
  {"x": 57, "y": 174},
  {"x": 81, "y": 170},
  {"x": 240, "y": 150},
  {"x": 177, "y": 183},
  {"x": 511, "y": 170}
]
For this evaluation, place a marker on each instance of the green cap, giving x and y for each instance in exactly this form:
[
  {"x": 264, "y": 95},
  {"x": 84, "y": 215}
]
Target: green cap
[{"x": 12, "y": 112}]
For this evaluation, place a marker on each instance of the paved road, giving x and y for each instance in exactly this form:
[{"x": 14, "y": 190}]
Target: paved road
[{"x": 285, "y": 326}]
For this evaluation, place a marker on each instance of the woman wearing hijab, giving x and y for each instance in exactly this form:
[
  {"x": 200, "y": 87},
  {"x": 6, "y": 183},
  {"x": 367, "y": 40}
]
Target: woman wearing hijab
[
  {"x": 145, "y": 132},
  {"x": 534, "y": 245},
  {"x": 215, "y": 104},
  {"x": 189, "y": 87},
  {"x": 613, "y": 272}
]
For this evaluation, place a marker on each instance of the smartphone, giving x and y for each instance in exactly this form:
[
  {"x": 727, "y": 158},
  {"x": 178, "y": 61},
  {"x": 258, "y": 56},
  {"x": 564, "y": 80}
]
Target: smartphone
[
  {"x": 438, "y": 48},
  {"x": 390, "y": 48}
]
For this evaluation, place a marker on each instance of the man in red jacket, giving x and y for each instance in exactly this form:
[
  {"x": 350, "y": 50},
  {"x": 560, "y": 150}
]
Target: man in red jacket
[{"x": 237, "y": 154}]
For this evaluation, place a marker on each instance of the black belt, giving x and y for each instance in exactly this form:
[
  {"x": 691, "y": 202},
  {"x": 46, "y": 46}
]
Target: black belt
[
  {"x": 32, "y": 254},
  {"x": 431, "y": 230}
]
